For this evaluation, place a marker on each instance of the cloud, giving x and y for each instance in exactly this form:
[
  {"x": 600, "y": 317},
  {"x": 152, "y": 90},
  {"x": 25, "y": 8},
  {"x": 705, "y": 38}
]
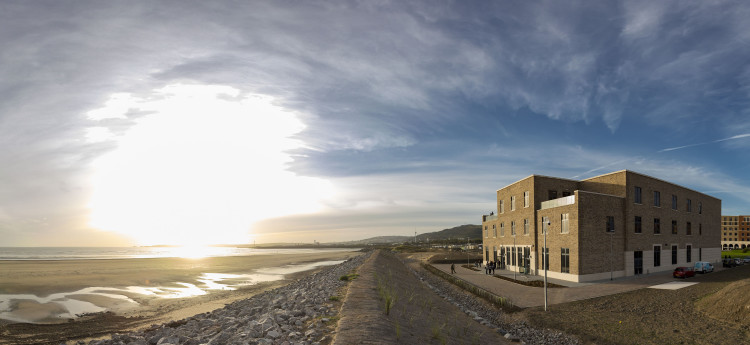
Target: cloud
[{"x": 739, "y": 136}]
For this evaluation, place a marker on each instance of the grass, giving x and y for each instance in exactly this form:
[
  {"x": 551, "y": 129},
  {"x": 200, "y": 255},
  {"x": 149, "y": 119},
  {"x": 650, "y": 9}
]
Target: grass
[
  {"x": 334, "y": 298},
  {"x": 349, "y": 277},
  {"x": 437, "y": 333},
  {"x": 385, "y": 290},
  {"x": 499, "y": 301},
  {"x": 534, "y": 283},
  {"x": 737, "y": 253}
]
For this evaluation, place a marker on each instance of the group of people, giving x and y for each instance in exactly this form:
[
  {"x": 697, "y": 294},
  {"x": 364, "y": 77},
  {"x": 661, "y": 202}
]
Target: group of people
[{"x": 489, "y": 268}]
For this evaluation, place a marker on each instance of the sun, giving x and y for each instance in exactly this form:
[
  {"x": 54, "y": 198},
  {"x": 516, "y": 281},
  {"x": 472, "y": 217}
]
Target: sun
[{"x": 200, "y": 166}]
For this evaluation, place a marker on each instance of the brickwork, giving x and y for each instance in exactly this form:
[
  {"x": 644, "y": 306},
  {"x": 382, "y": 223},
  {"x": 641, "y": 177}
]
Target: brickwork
[{"x": 629, "y": 198}]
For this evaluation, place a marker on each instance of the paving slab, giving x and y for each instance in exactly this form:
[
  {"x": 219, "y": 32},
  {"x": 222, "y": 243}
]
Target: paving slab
[
  {"x": 672, "y": 285},
  {"x": 526, "y": 296}
]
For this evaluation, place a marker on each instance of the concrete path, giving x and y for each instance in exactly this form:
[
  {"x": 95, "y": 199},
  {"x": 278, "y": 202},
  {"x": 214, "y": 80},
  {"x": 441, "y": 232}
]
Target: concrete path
[{"x": 526, "y": 296}]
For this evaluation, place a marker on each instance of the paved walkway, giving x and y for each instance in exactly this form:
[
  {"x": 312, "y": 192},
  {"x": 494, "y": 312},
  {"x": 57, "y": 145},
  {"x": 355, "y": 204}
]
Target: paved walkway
[{"x": 527, "y": 296}]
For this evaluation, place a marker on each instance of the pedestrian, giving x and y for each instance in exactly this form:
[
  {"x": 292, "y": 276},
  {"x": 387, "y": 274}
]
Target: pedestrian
[
  {"x": 487, "y": 268},
  {"x": 453, "y": 268},
  {"x": 492, "y": 268}
]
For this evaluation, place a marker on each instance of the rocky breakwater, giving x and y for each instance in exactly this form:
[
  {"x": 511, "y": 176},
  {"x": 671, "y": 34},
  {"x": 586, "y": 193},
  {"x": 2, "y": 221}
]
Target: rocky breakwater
[{"x": 299, "y": 313}]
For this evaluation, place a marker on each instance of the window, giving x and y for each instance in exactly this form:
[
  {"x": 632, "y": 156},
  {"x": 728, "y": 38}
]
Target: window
[
  {"x": 513, "y": 228},
  {"x": 689, "y": 253},
  {"x": 700, "y": 229},
  {"x": 486, "y": 232},
  {"x": 674, "y": 227},
  {"x": 552, "y": 194},
  {"x": 566, "y": 193},
  {"x": 564, "y": 223},
  {"x": 674, "y": 202},
  {"x": 565, "y": 260},
  {"x": 526, "y": 199},
  {"x": 657, "y": 256},
  {"x": 502, "y": 229},
  {"x": 657, "y": 226},
  {"x": 638, "y": 195},
  {"x": 502, "y": 206},
  {"x": 657, "y": 199},
  {"x": 688, "y": 229},
  {"x": 674, "y": 255},
  {"x": 526, "y": 226},
  {"x": 700, "y": 207},
  {"x": 513, "y": 256},
  {"x": 700, "y": 254},
  {"x": 545, "y": 220},
  {"x": 513, "y": 203},
  {"x": 689, "y": 205},
  {"x": 638, "y": 228},
  {"x": 494, "y": 231},
  {"x": 545, "y": 258},
  {"x": 610, "y": 224}
]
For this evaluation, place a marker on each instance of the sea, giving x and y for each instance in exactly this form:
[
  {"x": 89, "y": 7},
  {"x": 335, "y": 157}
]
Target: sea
[{"x": 93, "y": 253}]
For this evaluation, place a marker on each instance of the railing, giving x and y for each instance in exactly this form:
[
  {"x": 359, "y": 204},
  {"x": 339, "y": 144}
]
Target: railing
[
  {"x": 486, "y": 218},
  {"x": 566, "y": 200}
]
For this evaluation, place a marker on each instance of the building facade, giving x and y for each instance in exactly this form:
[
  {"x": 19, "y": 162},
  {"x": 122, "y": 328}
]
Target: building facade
[
  {"x": 614, "y": 225},
  {"x": 735, "y": 232}
]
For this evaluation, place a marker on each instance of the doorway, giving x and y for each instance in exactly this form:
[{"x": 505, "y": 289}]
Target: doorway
[{"x": 638, "y": 262}]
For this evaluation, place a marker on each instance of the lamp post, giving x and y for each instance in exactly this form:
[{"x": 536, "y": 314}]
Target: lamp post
[
  {"x": 467, "y": 252},
  {"x": 545, "y": 226},
  {"x": 611, "y": 267},
  {"x": 515, "y": 257}
]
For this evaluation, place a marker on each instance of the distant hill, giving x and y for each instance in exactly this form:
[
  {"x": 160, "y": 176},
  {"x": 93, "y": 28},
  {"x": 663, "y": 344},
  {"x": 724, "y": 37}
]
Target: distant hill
[
  {"x": 380, "y": 240},
  {"x": 462, "y": 231}
]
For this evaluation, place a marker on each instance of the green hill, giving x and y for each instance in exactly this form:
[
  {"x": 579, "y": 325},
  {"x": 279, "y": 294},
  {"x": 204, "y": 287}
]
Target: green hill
[{"x": 471, "y": 231}]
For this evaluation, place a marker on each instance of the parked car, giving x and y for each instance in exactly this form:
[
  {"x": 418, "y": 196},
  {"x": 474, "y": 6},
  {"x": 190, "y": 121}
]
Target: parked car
[
  {"x": 747, "y": 260},
  {"x": 703, "y": 267},
  {"x": 728, "y": 262},
  {"x": 738, "y": 261},
  {"x": 683, "y": 272}
]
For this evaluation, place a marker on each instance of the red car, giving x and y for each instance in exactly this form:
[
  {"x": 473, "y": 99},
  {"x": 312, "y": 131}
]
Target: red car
[{"x": 683, "y": 272}]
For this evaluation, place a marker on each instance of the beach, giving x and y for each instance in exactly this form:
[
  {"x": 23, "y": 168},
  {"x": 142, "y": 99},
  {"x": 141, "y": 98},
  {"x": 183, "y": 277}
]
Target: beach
[{"x": 138, "y": 292}]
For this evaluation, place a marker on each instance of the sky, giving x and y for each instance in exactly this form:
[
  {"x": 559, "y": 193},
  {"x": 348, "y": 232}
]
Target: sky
[{"x": 196, "y": 122}]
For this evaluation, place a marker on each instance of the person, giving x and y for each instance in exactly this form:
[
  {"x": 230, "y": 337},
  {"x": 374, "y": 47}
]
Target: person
[
  {"x": 453, "y": 268},
  {"x": 487, "y": 268}
]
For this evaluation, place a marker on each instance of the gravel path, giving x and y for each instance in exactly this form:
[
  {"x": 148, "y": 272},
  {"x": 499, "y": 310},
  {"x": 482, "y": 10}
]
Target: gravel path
[
  {"x": 300, "y": 313},
  {"x": 487, "y": 314}
]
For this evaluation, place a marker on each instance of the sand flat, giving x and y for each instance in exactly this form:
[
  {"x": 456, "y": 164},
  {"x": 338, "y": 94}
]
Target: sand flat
[{"x": 81, "y": 283}]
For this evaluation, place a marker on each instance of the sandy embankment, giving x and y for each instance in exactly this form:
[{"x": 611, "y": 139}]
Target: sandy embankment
[{"x": 42, "y": 278}]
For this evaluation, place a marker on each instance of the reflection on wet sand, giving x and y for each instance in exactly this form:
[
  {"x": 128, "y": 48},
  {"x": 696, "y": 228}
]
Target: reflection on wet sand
[{"x": 69, "y": 305}]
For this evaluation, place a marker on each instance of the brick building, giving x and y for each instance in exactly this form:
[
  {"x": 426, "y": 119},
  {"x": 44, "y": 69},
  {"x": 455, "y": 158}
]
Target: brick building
[
  {"x": 735, "y": 232},
  {"x": 614, "y": 225}
]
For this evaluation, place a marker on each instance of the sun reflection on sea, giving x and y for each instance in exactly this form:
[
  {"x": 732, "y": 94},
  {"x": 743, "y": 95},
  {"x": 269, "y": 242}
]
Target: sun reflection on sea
[{"x": 193, "y": 251}]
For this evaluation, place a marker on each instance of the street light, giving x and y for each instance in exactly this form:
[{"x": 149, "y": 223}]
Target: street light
[
  {"x": 515, "y": 256},
  {"x": 545, "y": 226},
  {"x": 467, "y": 252}
]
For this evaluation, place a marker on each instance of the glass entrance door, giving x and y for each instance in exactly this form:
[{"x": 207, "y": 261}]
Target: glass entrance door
[{"x": 638, "y": 262}]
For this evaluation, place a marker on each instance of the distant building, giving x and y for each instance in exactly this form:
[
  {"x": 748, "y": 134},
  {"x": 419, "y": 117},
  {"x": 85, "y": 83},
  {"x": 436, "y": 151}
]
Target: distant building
[
  {"x": 614, "y": 225},
  {"x": 735, "y": 232}
]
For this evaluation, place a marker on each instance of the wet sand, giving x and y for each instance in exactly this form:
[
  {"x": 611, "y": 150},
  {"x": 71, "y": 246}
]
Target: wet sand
[{"x": 47, "y": 279}]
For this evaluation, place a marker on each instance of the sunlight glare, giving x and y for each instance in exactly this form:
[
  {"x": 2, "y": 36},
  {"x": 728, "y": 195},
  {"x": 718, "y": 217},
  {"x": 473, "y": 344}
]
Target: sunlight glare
[{"x": 201, "y": 167}]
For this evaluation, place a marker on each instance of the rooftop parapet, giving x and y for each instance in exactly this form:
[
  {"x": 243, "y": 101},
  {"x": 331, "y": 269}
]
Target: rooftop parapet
[{"x": 566, "y": 200}]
